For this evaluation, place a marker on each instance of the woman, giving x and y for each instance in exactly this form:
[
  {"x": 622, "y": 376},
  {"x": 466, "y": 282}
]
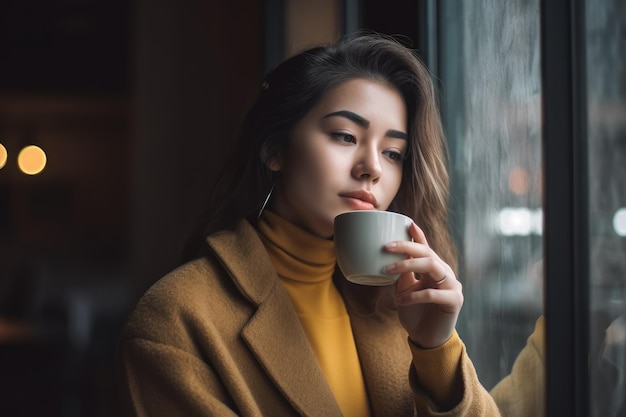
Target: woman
[{"x": 259, "y": 322}]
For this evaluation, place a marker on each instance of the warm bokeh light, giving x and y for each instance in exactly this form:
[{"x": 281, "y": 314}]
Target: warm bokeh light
[
  {"x": 3, "y": 156},
  {"x": 31, "y": 160},
  {"x": 619, "y": 221},
  {"x": 519, "y": 181}
]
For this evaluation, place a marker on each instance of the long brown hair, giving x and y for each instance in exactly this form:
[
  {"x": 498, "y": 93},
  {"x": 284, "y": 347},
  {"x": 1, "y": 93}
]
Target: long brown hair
[{"x": 290, "y": 91}]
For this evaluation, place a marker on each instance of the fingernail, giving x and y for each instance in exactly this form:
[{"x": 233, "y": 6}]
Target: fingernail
[
  {"x": 390, "y": 268},
  {"x": 391, "y": 244}
]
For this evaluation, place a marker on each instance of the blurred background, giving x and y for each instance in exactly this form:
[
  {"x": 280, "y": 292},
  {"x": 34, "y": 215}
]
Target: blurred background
[{"x": 116, "y": 115}]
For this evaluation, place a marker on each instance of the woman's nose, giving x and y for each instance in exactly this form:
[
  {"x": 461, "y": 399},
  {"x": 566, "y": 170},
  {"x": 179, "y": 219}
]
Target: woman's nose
[{"x": 367, "y": 167}]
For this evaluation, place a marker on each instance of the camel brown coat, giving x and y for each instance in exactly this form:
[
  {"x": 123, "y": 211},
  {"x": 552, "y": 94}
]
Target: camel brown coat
[{"x": 219, "y": 337}]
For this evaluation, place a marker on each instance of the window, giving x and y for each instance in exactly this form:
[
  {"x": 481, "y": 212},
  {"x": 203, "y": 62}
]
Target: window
[
  {"x": 534, "y": 92},
  {"x": 491, "y": 103},
  {"x": 605, "y": 45}
]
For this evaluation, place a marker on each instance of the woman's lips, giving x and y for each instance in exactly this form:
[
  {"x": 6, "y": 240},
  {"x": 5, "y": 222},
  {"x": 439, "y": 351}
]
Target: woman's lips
[
  {"x": 360, "y": 200},
  {"x": 357, "y": 204}
]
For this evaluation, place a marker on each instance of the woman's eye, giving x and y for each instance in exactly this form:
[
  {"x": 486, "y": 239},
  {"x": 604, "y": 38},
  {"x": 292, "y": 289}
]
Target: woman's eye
[
  {"x": 345, "y": 137},
  {"x": 396, "y": 156}
]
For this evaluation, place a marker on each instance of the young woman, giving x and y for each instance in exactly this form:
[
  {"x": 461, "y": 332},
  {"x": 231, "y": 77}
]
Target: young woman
[{"x": 259, "y": 321}]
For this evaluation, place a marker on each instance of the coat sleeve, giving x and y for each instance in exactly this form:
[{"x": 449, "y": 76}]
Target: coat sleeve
[
  {"x": 162, "y": 380},
  {"x": 522, "y": 392},
  {"x": 445, "y": 383}
]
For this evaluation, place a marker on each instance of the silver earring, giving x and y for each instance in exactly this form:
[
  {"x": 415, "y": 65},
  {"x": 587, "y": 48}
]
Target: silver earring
[{"x": 265, "y": 202}]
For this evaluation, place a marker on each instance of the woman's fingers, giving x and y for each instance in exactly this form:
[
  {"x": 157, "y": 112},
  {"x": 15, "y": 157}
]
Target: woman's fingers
[
  {"x": 433, "y": 267},
  {"x": 428, "y": 314},
  {"x": 449, "y": 299},
  {"x": 428, "y": 295},
  {"x": 423, "y": 274},
  {"x": 417, "y": 234},
  {"x": 421, "y": 259}
]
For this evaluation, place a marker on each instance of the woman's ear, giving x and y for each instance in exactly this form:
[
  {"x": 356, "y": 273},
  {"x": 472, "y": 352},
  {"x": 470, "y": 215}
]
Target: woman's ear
[
  {"x": 272, "y": 159},
  {"x": 274, "y": 164}
]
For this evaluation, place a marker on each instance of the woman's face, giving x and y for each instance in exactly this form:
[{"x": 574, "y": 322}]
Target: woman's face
[{"x": 345, "y": 154}]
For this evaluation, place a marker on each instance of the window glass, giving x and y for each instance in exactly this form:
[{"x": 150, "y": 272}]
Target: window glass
[
  {"x": 490, "y": 90},
  {"x": 605, "y": 22}
]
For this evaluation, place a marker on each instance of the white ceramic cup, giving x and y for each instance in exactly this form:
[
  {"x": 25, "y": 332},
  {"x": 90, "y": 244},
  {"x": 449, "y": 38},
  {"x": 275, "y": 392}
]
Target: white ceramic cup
[{"x": 359, "y": 239}]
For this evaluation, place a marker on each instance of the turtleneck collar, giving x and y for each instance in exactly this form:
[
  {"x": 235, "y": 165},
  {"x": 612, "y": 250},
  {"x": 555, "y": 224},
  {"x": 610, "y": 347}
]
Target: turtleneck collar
[{"x": 296, "y": 254}]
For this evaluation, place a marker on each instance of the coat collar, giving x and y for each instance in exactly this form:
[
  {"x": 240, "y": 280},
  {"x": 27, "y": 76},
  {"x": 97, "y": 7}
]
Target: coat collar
[
  {"x": 243, "y": 255},
  {"x": 286, "y": 355}
]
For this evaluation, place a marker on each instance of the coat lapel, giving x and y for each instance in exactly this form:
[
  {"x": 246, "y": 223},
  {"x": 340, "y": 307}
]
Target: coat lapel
[{"x": 274, "y": 333}]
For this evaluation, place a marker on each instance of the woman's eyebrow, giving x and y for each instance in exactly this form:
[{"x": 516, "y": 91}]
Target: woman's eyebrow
[
  {"x": 362, "y": 121},
  {"x": 397, "y": 134}
]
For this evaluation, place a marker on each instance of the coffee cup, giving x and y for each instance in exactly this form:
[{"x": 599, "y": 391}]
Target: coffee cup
[{"x": 359, "y": 238}]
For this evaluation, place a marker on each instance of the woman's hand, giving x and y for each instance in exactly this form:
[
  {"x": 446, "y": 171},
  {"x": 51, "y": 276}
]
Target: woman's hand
[{"x": 428, "y": 295}]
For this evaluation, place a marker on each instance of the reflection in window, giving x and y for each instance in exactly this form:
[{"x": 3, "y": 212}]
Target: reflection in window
[
  {"x": 491, "y": 87},
  {"x": 605, "y": 22}
]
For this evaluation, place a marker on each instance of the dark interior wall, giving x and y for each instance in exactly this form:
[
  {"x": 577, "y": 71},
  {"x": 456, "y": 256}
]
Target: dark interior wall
[
  {"x": 64, "y": 86},
  {"x": 135, "y": 103},
  {"x": 150, "y": 91},
  {"x": 196, "y": 66},
  {"x": 61, "y": 46}
]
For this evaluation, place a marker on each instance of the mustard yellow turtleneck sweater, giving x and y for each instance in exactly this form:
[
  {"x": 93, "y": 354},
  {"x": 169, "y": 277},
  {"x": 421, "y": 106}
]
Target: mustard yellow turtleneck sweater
[{"x": 305, "y": 265}]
